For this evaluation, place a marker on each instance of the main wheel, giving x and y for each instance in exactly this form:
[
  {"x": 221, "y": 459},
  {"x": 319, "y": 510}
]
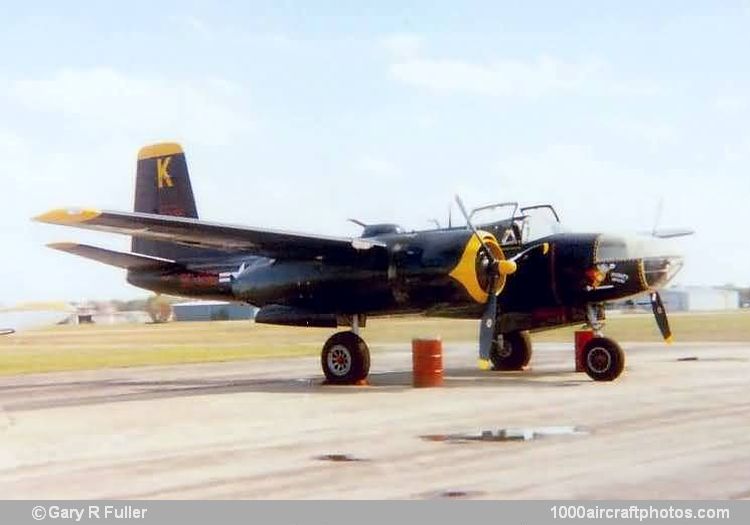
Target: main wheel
[
  {"x": 603, "y": 359},
  {"x": 345, "y": 359},
  {"x": 514, "y": 354}
]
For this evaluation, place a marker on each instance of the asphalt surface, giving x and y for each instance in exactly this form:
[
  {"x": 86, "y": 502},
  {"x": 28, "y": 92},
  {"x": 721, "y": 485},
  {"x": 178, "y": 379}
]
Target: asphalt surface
[{"x": 675, "y": 425}]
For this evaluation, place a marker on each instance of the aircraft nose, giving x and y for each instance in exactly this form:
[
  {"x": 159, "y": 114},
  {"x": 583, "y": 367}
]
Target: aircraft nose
[
  {"x": 658, "y": 271},
  {"x": 659, "y": 260}
]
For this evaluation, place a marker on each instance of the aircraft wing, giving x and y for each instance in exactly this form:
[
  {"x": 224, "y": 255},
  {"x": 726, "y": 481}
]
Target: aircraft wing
[{"x": 226, "y": 237}]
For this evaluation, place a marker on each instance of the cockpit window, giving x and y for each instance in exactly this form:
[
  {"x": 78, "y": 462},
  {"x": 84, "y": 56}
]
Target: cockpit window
[
  {"x": 612, "y": 249},
  {"x": 372, "y": 230},
  {"x": 538, "y": 222}
]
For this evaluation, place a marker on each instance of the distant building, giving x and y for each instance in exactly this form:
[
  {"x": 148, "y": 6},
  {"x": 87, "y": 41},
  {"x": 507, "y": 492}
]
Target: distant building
[
  {"x": 212, "y": 311},
  {"x": 84, "y": 313},
  {"x": 700, "y": 298}
]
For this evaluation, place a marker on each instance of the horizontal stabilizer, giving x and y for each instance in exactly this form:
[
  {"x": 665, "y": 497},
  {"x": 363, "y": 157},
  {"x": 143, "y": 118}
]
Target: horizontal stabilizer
[{"x": 129, "y": 261}]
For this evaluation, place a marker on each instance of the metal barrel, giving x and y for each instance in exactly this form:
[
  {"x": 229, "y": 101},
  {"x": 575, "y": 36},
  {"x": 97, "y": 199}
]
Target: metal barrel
[{"x": 427, "y": 362}]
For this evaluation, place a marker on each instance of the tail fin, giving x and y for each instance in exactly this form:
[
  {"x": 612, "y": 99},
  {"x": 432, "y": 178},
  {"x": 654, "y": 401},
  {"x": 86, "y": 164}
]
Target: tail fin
[{"x": 162, "y": 186}]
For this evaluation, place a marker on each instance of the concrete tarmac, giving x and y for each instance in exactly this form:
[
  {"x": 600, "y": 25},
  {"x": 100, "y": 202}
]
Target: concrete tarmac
[{"x": 675, "y": 425}]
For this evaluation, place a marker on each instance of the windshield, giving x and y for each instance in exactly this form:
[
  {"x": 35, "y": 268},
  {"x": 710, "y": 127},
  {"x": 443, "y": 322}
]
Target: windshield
[
  {"x": 538, "y": 222},
  {"x": 494, "y": 213}
]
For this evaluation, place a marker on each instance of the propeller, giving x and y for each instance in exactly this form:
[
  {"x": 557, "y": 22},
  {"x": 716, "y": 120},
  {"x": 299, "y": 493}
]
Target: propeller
[
  {"x": 489, "y": 316},
  {"x": 661, "y": 317},
  {"x": 666, "y": 233},
  {"x": 495, "y": 269}
]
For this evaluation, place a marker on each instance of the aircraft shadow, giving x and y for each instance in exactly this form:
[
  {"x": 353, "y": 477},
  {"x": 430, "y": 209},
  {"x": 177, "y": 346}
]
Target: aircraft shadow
[{"x": 381, "y": 382}]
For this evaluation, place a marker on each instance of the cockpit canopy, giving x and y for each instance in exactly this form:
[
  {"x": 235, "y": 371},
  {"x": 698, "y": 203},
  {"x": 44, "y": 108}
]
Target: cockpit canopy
[
  {"x": 533, "y": 222},
  {"x": 373, "y": 230}
]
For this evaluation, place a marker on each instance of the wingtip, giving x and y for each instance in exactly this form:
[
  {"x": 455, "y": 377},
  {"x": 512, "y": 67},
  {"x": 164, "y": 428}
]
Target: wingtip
[
  {"x": 67, "y": 216},
  {"x": 669, "y": 340},
  {"x": 62, "y": 246}
]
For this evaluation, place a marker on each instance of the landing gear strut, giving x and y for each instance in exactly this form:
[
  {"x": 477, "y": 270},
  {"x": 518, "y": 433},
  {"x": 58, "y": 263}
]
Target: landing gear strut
[
  {"x": 511, "y": 351},
  {"x": 345, "y": 358},
  {"x": 603, "y": 359}
]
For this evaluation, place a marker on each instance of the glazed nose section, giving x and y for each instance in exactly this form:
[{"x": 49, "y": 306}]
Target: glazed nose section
[
  {"x": 658, "y": 271},
  {"x": 658, "y": 260}
]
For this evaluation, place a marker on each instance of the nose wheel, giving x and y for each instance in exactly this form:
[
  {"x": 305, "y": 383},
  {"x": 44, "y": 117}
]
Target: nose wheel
[
  {"x": 603, "y": 359},
  {"x": 345, "y": 359}
]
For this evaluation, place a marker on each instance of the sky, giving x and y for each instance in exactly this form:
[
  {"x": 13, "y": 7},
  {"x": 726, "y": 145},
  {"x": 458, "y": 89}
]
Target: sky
[{"x": 299, "y": 115}]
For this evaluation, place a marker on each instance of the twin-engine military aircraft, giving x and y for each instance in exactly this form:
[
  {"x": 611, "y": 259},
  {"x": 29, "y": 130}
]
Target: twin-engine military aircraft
[{"x": 504, "y": 273}]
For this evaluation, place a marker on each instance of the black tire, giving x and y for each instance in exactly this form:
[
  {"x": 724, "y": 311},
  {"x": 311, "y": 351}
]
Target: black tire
[
  {"x": 345, "y": 359},
  {"x": 515, "y": 353},
  {"x": 603, "y": 359}
]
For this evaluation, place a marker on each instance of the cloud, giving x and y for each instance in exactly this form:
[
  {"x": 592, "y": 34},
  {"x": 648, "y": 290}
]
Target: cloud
[
  {"x": 376, "y": 167},
  {"x": 542, "y": 76},
  {"x": 15, "y": 157},
  {"x": 655, "y": 134},
  {"x": 738, "y": 152},
  {"x": 402, "y": 45},
  {"x": 193, "y": 23},
  {"x": 208, "y": 111},
  {"x": 11, "y": 143},
  {"x": 730, "y": 103}
]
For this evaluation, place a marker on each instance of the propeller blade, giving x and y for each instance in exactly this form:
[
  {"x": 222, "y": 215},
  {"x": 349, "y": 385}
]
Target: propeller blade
[
  {"x": 661, "y": 317},
  {"x": 476, "y": 232},
  {"x": 487, "y": 330},
  {"x": 670, "y": 233},
  {"x": 357, "y": 222}
]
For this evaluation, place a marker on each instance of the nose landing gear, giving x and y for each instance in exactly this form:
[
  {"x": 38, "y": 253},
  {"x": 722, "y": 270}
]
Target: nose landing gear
[{"x": 603, "y": 359}]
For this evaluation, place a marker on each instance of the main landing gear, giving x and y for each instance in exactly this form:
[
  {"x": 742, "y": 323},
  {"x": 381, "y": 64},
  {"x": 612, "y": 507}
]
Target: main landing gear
[
  {"x": 512, "y": 352},
  {"x": 603, "y": 359},
  {"x": 345, "y": 357}
]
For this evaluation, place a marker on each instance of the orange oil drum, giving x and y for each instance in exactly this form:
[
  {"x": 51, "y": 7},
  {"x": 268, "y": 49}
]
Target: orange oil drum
[{"x": 427, "y": 362}]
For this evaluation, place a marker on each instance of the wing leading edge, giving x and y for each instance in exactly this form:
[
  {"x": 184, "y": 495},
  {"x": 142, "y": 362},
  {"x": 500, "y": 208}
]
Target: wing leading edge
[{"x": 225, "y": 237}]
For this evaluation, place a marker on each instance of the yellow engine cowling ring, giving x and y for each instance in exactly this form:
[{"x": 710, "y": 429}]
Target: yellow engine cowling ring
[{"x": 468, "y": 271}]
